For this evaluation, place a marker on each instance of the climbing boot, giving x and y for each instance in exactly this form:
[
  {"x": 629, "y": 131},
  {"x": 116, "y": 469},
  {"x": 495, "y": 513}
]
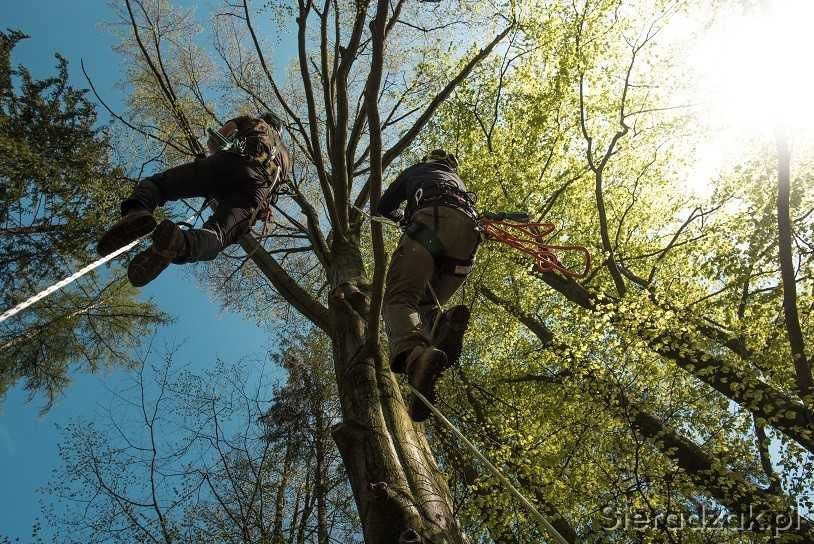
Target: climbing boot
[
  {"x": 449, "y": 336},
  {"x": 424, "y": 368},
  {"x": 136, "y": 223},
  {"x": 168, "y": 244}
]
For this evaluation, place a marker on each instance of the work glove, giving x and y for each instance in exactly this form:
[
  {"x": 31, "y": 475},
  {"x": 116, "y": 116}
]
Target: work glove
[{"x": 396, "y": 216}]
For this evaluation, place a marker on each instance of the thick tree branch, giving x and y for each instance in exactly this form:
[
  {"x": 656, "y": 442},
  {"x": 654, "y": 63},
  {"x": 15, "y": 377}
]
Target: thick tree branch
[
  {"x": 342, "y": 167},
  {"x": 772, "y": 405},
  {"x": 375, "y": 180},
  {"x": 802, "y": 369},
  {"x": 313, "y": 121},
  {"x": 285, "y": 284}
]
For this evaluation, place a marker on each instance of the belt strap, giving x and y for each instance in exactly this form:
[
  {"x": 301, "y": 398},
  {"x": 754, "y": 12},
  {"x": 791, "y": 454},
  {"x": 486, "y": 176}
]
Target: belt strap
[{"x": 448, "y": 201}]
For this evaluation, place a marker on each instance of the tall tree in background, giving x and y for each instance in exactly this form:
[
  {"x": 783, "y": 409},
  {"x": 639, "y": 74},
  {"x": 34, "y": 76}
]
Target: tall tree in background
[
  {"x": 58, "y": 187},
  {"x": 302, "y": 415},
  {"x": 224, "y": 455},
  {"x": 668, "y": 365},
  {"x": 368, "y": 78}
]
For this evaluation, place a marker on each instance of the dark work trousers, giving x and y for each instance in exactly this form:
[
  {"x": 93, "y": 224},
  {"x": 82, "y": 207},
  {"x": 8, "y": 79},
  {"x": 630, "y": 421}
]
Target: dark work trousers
[
  {"x": 238, "y": 184},
  {"x": 408, "y": 306}
]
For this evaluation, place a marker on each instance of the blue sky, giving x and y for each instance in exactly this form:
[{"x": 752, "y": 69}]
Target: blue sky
[{"x": 28, "y": 442}]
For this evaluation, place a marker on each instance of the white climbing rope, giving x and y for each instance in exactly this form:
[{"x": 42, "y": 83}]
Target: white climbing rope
[
  {"x": 73, "y": 277},
  {"x": 67, "y": 281},
  {"x": 538, "y": 517}
]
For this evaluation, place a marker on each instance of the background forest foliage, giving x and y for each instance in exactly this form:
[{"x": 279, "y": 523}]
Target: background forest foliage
[
  {"x": 670, "y": 380},
  {"x": 59, "y": 190}
]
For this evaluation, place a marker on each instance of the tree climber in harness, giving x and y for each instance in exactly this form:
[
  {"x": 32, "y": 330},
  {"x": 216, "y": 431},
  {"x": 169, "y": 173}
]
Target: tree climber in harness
[
  {"x": 433, "y": 258},
  {"x": 246, "y": 165}
]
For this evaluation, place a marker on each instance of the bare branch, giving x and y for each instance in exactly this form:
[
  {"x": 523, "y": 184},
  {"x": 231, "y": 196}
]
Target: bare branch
[{"x": 408, "y": 137}]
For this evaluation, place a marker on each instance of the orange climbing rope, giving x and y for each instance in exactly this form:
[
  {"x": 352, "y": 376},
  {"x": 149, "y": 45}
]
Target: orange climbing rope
[{"x": 515, "y": 232}]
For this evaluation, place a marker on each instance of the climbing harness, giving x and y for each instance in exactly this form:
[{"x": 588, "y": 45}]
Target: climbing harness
[
  {"x": 76, "y": 275},
  {"x": 541, "y": 520},
  {"x": 516, "y": 231},
  {"x": 444, "y": 193},
  {"x": 427, "y": 237},
  {"x": 513, "y": 229},
  {"x": 248, "y": 139},
  {"x": 230, "y": 145}
]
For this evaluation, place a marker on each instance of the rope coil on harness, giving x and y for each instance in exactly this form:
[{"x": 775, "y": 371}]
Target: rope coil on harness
[{"x": 517, "y": 232}]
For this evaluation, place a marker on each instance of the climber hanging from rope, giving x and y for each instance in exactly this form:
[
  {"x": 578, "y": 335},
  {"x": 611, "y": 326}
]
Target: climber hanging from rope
[
  {"x": 442, "y": 231},
  {"x": 432, "y": 260},
  {"x": 246, "y": 165}
]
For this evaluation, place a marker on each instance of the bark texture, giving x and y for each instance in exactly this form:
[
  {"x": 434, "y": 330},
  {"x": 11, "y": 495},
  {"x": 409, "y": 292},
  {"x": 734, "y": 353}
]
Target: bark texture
[{"x": 401, "y": 495}]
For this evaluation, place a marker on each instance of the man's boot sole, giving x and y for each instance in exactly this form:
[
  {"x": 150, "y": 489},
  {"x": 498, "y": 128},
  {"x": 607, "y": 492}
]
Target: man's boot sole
[
  {"x": 125, "y": 232},
  {"x": 454, "y": 324},
  {"x": 150, "y": 263},
  {"x": 417, "y": 409},
  {"x": 145, "y": 267}
]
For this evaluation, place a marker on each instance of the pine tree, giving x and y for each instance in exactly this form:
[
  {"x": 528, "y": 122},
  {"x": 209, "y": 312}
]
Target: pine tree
[{"x": 58, "y": 184}]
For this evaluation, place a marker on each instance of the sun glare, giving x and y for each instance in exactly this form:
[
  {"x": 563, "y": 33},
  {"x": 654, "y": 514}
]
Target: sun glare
[
  {"x": 753, "y": 74},
  {"x": 755, "y": 68}
]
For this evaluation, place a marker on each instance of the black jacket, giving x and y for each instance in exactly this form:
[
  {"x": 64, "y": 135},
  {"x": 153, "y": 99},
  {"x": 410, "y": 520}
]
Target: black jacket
[{"x": 430, "y": 177}]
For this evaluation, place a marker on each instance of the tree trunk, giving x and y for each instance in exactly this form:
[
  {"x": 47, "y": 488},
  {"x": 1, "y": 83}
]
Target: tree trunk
[
  {"x": 306, "y": 513},
  {"x": 802, "y": 369},
  {"x": 320, "y": 489},
  {"x": 400, "y": 494},
  {"x": 280, "y": 497},
  {"x": 295, "y": 516}
]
